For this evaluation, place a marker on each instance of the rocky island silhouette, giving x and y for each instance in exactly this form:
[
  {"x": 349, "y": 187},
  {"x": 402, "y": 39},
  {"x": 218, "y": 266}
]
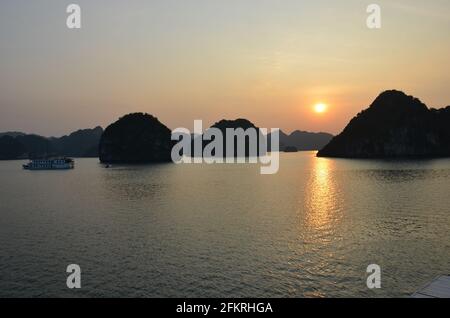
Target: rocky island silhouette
[
  {"x": 136, "y": 138},
  {"x": 395, "y": 125}
]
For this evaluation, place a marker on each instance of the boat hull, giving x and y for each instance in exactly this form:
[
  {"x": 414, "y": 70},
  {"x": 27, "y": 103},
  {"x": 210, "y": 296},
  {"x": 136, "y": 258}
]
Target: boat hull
[
  {"x": 50, "y": 164},
  {"x": 52, "y": 168}
]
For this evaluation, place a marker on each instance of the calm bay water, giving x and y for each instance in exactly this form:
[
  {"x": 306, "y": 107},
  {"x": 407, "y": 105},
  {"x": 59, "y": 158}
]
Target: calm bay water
[{"x": 225, "y": 230}]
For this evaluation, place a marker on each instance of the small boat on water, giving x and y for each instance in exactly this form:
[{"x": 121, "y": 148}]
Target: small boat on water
[{"x": 50, "y": 164}]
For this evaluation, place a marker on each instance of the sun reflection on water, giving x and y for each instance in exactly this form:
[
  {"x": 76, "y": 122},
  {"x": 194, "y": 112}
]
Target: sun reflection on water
[{"x": 323, "y": 202}]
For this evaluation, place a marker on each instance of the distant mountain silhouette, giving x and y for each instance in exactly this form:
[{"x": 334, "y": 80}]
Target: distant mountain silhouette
[
  {"x": 10, "y": 148},
  {"x": 82, "y": 143},
  {"x": 302, "y": 141},
  {"x": 395, "y": 125},
  {"x": 136, "y": 138},
  {"x": 12, "y": 133},
  {"x": 36, "y": 146},
  {"x": 290, "y": 149}
]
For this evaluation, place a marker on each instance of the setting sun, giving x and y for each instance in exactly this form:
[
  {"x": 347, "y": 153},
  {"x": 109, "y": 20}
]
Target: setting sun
[{"x": 320, "y": 108}]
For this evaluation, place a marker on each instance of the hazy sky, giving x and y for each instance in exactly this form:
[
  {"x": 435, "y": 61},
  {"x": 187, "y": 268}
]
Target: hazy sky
[{"x": 268, "y": 61}]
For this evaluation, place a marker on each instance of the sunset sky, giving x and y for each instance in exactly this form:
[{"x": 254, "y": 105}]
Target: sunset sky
[{"x": 268, "y": 61}]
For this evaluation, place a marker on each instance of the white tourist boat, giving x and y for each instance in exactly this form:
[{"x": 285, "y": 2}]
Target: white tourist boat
[{"x": 50, "y": 164}]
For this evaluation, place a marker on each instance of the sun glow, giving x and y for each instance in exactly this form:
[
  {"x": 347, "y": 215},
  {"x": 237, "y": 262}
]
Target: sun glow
[{"x": 320, "y": 108}]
